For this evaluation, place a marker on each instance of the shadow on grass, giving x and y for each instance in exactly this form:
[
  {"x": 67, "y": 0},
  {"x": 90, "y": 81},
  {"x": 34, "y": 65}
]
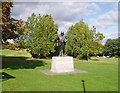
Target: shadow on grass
[
  {"x": 94, "y": 59},
  {"x": 10, "y": 62},
  {"x": 6, "y": 76}
]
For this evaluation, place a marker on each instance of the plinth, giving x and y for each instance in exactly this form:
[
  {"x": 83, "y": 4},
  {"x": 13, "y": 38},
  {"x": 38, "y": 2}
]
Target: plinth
[{"x": 62, "y": 64}]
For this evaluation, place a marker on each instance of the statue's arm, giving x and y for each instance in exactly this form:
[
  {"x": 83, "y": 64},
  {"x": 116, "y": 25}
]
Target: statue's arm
[{"x": 66, "y": 39}]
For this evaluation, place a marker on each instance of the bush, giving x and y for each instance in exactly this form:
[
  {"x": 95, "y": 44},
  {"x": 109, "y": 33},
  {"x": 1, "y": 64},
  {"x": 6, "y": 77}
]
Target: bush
[
  {"x": 116, "y": 56},
  {"x": 5, "y": 47},
  {"x": 80, "y": 56},
  {"x": 10, "y": 46}
]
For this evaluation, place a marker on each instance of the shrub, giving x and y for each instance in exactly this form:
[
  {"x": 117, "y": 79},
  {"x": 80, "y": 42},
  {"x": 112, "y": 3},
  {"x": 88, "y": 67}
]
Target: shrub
[
  {"x": 80, "y": 56},
  {"x": 10, "y": 46},
  {"x": 116, "y": 56}
]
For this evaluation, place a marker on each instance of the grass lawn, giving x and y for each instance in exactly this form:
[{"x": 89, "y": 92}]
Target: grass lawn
[{"x": 21, "y": 73}]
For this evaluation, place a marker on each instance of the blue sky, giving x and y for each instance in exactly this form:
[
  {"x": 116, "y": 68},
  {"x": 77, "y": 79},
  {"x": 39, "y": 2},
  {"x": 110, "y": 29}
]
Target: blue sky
[{"x": 103, "y": 15}]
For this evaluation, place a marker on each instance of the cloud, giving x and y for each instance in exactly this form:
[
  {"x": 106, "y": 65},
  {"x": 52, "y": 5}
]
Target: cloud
[
  {"x": 105, "y": 20},
  {"x": 60, "y": 11},
  {"x": 19, "y": 9},
  {"x": 110, "y": 36},
  {"x": 64, "y": 26},
  {"x": 95, "y": 6},
  {"x": 64, "y": 14}
]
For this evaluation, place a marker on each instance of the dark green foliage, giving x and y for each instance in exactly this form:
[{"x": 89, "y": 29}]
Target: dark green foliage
[
  {"x": 83, "y": 42},
  {"x": 112, "y": 47},
  {"x": 41, "y": 35}
]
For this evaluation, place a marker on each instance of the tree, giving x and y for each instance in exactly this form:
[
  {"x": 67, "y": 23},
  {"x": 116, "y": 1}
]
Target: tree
[
  {"x": 112, "y": 47},
  {"x": 11, "y": 28},
  {"x": 82, "y": 42},
  {"x": 41, "y": 35}
]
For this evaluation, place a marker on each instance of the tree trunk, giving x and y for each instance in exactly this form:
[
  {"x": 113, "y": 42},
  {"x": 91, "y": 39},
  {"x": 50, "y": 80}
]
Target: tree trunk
[{"x": 86, "y": 57}]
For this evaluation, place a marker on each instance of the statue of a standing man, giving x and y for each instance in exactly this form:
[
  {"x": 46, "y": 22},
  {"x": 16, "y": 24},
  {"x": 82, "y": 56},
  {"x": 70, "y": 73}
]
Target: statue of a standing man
[{"x": 62, "y": 39}]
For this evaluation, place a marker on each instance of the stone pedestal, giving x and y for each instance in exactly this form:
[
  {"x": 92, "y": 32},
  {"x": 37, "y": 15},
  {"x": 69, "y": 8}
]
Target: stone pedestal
[{"x": 62, "y": 64}]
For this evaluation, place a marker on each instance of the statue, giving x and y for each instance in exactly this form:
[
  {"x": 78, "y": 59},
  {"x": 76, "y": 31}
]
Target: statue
[{"x": 61, "y": 42}]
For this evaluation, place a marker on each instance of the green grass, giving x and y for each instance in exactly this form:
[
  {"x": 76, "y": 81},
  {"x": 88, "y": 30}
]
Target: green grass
[{"x": 22, "y": 74}]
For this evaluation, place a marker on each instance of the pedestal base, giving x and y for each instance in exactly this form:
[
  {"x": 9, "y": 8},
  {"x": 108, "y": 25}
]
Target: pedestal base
[
  {"x": 62, "y": 64},
  {"x": 49, "y": 72}
]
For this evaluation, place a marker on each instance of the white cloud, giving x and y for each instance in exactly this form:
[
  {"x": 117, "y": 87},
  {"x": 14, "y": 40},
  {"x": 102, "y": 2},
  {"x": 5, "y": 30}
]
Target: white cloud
[
  {"x": 63, "y": 13},
  {"x": 110, "y": 36},
  {"x": 93, "y": 5},
  {"x": 10, "y": 40},
  {"x": 105, "y": 20},
  {"x": 64, "y": 26}
]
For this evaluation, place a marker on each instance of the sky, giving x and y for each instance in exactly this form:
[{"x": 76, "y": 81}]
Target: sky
[{"x": 102, "y": 15}]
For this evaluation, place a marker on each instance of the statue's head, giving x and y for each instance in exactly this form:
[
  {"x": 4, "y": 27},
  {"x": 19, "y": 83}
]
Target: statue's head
[{"x": 62, "y": 33}]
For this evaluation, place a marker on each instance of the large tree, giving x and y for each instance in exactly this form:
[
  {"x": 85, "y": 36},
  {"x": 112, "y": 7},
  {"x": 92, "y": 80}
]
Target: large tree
[
  {"x": 82, "y": 41},
  {"x": 11, "y": 28},
  {"x": 41, "y": 35}
]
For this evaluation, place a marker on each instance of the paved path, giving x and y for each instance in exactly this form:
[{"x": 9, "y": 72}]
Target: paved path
[{"x": 49, "y": 72}]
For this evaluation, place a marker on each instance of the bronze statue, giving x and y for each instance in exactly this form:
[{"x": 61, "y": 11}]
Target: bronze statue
[{"x": 61, "y": 42}]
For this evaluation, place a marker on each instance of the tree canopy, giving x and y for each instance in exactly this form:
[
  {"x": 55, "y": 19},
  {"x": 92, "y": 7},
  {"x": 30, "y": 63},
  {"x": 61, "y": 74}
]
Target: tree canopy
[
  {"x": 41, "y": 35},
  {"x": 82, "y": 41},
  {"x": 11, "y": 28},
  {"x": 112, "y": 47}
]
